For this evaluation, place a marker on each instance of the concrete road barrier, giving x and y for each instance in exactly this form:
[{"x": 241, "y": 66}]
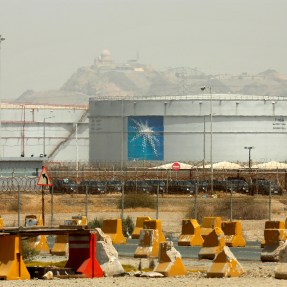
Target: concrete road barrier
[
  {"x": 233, "y": 234},
  {"x": 139, "y": 226},
  {"x": 113, "y": 228},
  {"x": 225, "y": 265},
  {"x": 190, "y": 233},
  {"x": 169, "y": 261},
  {"x": 208, "y": 224},
  {"x": 212, "y": 245}
]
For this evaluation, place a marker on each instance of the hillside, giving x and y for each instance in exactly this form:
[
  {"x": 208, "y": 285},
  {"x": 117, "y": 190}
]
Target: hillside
[{"x": 106, "y": 78}]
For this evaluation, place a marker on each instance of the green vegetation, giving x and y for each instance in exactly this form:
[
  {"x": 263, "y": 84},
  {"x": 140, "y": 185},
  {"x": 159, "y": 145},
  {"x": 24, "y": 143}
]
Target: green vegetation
[
  {"x": 128, "y": 226},
  {"x": 28, "y": 252},
  {"x": 95, "y": 223}
]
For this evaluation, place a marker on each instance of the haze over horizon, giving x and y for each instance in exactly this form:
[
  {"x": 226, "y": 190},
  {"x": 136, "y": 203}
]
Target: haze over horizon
[{"x": 47, "y": 41}]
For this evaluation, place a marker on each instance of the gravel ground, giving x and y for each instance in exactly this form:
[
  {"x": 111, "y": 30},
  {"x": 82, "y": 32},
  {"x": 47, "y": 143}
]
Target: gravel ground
[{"x": 255, "y": 274}]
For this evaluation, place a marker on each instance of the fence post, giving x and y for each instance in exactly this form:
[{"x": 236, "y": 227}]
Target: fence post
[
  {"x": 19, "y": 205},
  {"x": 270, "y": 201},
  {"x": 123, "y": 201},
  {"x": 195, "y": 201},
  {"x": 86, "y": 203},
  {"x": 231, "y": 204},
  {"x": 52, "y": 206},
  {"x": 157, "y": 200},
  {"x": 43, "y": 206}
]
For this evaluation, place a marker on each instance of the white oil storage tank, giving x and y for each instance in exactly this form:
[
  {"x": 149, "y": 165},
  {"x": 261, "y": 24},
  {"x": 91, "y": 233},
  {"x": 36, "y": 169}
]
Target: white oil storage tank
[{"x": 181, "y": 128}]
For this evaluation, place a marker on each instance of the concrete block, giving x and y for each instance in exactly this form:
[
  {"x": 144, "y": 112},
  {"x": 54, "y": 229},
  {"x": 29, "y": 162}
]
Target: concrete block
[
  {"x": 169, "y": 261},
  {"x": 190, "y": 233},
  {"x": 107, "y": 255},
  {"x": 212, "y": 245},
  {"x": 225, "y": 265}
]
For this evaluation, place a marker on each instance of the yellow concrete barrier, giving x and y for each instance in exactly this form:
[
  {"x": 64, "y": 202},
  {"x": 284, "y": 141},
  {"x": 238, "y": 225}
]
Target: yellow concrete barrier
[
  {"x": 208, "y": 224},
  {"x": 113, "y": 228},
  {"x": 40, "y": 242},
  {"x": 12, "y": 266},
  {"x": 169, "y": 261},
  {"x": 274, "y": 232},
  {"x": 233, "y": 234},
  {"x": 61, "y": 245},
  {"x": 139, "y": 226},
  {"x": 212, "y": 245},
  {"x": 274, "y": 238},
  {"x": 155, "y": 224},
  {"x": 225, "y": 265},
  {"x": 190, "y": 233},
  {"x": 79, "y": 220},
  {"x": 148, "y": 246},
  {"x": 1, "y": 222}
]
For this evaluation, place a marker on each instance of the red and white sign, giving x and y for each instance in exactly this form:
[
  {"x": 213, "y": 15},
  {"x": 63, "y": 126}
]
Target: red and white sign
[
  {"x": 44, "y": 179},
  {"x": 176, "y": 166}
]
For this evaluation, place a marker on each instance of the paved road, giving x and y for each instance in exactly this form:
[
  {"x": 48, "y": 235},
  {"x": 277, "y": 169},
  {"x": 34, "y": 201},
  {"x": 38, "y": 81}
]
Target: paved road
[{"x": 251, "y": 252}]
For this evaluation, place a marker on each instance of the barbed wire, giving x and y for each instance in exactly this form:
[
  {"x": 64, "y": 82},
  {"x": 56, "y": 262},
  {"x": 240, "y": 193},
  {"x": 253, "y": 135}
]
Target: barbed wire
[{"x": 23, "y": 183}]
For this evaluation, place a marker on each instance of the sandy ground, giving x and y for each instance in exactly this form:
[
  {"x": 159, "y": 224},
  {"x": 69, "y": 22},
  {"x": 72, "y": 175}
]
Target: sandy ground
[
  {"x": 171, "y": 211},
  {"x": 256, "y": 274},
  {"x": 171, "y": 214}
]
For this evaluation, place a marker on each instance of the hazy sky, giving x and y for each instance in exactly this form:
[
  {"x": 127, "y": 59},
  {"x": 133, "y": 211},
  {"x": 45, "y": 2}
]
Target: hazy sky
[{"x": 48, "y": 40}]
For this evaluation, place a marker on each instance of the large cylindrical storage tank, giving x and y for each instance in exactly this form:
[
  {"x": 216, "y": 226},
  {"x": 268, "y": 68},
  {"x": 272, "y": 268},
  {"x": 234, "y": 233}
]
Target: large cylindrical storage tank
[{"x": 182, "y": 129}]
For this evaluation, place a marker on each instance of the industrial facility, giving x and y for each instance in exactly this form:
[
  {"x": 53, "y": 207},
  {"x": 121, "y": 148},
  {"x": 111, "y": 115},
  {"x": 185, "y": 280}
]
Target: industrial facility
[
  {"x": 188, "y": 128},
  {"x": 122, "y": 112},
  {"x": 54, "y": 132}
]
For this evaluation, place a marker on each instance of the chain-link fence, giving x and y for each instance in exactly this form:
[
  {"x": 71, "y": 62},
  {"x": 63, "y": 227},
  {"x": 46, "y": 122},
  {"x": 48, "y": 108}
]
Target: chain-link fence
[
  {"x": 89, "y": 191},
  {"x": 134, "y": 179},
  {"x": 111, "y": 180},
  {"x": 170, "y": 209}
]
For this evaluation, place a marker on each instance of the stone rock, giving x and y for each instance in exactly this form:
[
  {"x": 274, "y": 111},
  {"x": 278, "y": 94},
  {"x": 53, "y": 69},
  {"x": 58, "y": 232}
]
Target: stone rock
[
  {"x": 48, "y": 276},
  {"x": 151, "y": 274}
]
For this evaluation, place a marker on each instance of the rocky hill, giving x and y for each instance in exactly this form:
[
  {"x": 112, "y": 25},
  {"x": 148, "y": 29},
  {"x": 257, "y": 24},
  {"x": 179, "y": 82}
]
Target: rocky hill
[{"x": 105, "y": 78}]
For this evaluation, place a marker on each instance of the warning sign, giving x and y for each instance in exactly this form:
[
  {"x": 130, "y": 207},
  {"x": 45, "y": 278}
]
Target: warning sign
[{"x": 44, "y": 179}]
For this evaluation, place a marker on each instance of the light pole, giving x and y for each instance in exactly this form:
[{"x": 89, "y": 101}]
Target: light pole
[
  {"x": 249, "y": 154},
  {"x": 1, "y": 40},
  {"x": 211, "y": 137}
]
